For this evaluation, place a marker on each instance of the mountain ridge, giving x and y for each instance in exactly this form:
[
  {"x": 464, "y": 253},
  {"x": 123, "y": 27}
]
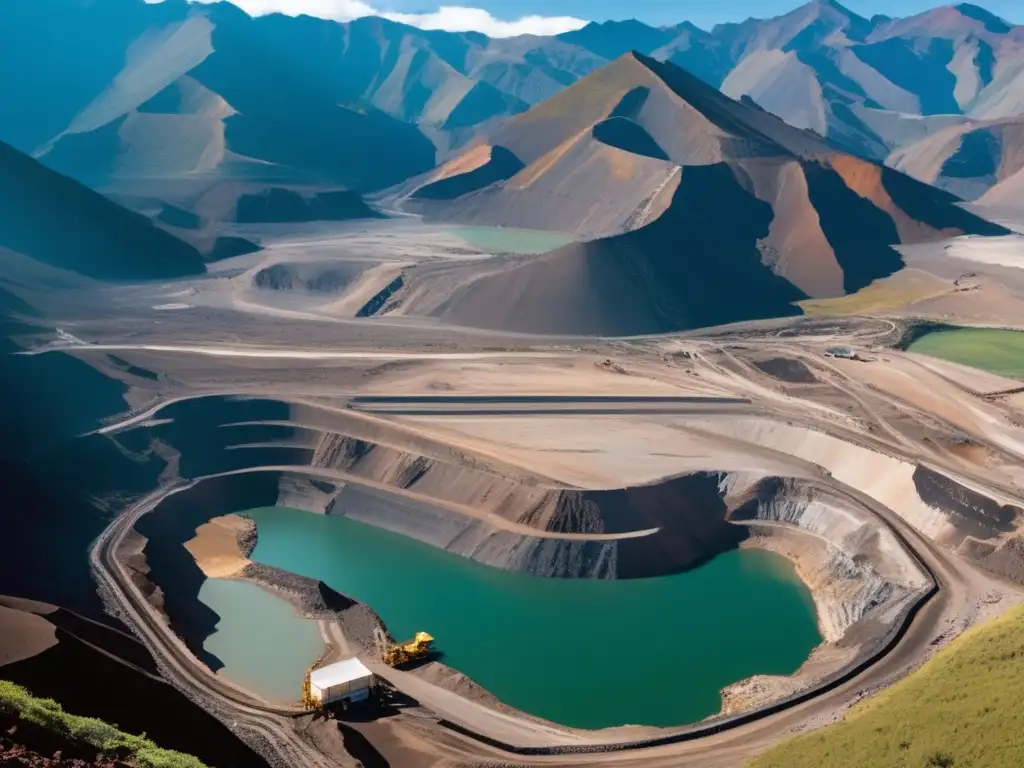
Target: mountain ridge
[{"x": 382, "y": 85}]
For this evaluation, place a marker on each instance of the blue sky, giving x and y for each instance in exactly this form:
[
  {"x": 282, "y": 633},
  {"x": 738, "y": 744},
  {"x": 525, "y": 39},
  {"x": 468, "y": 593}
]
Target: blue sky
[{"x": 704, "y": 13}]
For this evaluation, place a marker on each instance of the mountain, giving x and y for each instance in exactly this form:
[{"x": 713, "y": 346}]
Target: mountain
[
  {"x": 871, "y": 86},
  {"x": 605, "y": 154},
  {"x": 57, "y": 221},
  {"x": 702, "y": 210},
  {"x": 975, "y": 161}
]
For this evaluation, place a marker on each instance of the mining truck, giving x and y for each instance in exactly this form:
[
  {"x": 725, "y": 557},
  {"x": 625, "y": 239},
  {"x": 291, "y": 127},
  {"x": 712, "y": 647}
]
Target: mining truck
[{"x": 395, "y": 654}]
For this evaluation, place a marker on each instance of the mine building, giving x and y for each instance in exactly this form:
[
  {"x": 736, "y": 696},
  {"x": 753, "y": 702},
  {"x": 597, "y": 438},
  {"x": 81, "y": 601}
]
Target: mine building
[{"x": 341, "y": 682}]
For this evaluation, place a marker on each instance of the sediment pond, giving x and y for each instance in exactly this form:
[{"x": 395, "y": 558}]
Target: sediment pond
[
  {"x": 264, "y": 644},
  {"x": 585, "y": 653}
]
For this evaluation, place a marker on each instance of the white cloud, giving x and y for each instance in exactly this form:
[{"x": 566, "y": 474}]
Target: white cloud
[
  {"x": 452, "y": 18},
  {"x": 458, "y": 19}
]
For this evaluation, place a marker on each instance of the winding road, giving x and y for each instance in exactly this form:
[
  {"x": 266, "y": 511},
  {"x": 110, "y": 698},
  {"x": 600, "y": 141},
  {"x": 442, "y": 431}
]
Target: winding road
[{"x": 266, "y": 727}]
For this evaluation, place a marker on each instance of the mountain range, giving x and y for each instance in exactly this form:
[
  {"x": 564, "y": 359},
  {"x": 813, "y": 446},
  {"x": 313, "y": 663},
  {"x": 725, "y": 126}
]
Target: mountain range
[
  {"x": 700, "y": 181},
  {"x": 201, "y": 93}
]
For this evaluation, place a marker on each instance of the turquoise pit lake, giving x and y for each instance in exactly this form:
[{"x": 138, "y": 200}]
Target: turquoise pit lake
[{"x": 581, "y": 652}]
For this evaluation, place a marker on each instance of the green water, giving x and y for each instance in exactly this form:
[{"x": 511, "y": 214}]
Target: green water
[
  {"x": 512, "y": 240},
  {"x": 585, "y": 653},
  {"x": 993, "y": 350},
  {"x": 264, "y": 644}
]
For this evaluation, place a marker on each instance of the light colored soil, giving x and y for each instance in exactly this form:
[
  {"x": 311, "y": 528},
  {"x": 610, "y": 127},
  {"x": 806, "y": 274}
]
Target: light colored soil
[
  {"x": 217, "y": 546},
  {"x": 24, "y": 635}
]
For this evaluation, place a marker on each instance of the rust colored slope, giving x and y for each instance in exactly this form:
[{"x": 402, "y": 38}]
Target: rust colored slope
[
  {"x": 601, "y": 157},
  {"x": 865, "y": 179},
  {"x": 796, "y": 247}
]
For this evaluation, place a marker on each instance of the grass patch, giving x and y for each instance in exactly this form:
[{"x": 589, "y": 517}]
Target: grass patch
[
  {"x": 995, "y": 351},
  {"x": 48, "y": 714},
  {"x": 900, "y": 290},
  {"x": 963, "y": 709}
]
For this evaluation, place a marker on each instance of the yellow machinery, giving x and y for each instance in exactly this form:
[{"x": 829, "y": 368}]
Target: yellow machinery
[
  {"x": 308, "y": 702},
  {"x": 412, "y": 650}
]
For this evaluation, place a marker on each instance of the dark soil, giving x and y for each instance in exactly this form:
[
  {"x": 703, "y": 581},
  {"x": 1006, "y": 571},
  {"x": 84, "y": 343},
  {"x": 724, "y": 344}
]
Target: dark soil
[
  {"x": 790, "y": 371},
  {"x": 27, "y": 744}
]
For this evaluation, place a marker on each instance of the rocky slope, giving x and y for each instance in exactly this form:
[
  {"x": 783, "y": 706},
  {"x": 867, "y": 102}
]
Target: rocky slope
[
  {"x": 852, "y": 565},
  {"x": 851, "y": 79},
  {"x": 172, "y": 91}
]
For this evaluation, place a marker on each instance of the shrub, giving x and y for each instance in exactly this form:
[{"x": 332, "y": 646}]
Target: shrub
[{"x": 48, "y": 714}]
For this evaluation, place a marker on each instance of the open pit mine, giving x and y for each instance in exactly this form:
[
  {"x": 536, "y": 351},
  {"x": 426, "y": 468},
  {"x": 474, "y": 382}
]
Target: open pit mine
[{"x": 353, "y": 476}]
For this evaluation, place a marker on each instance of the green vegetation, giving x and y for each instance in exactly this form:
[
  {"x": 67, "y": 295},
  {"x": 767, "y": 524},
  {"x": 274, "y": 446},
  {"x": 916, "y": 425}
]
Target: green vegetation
[
  {"x": 48, "y": 714},
  {"x": 963, "y": 709},
  {"x": 996, "y": 351},
  {"x": 906, "y": 287}
]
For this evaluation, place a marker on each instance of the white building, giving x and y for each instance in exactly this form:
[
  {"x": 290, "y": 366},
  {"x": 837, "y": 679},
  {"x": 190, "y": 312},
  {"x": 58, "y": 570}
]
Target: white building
[{"x": 347, "y": 680}]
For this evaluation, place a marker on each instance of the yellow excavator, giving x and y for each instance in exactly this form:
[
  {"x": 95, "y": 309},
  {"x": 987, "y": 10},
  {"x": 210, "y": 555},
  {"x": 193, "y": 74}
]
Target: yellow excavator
[{"x": 416, "y": 649}]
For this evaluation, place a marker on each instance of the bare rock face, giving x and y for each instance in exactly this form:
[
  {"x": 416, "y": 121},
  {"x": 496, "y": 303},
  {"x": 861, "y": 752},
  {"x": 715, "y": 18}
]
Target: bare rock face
[{"x": 852, "y": 564}]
